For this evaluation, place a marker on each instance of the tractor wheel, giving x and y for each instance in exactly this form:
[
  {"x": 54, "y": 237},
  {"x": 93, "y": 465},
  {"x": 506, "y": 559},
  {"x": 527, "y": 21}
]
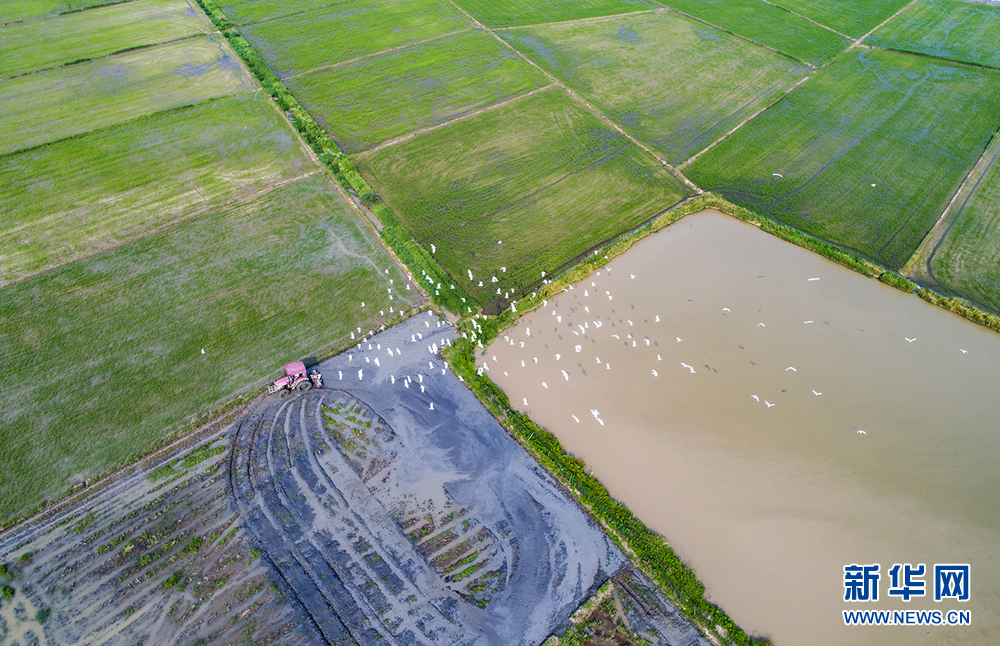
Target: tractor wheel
[
  {"x": 284, "y": 392},
  {"x": 303, "y": 386}
]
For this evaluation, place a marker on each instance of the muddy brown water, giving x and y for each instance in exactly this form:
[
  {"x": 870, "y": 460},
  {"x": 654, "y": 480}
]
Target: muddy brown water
[{"x": 768, "y": 500}]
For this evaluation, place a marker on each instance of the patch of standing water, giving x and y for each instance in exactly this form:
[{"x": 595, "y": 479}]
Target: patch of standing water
[{"x": 776, "y": 417}]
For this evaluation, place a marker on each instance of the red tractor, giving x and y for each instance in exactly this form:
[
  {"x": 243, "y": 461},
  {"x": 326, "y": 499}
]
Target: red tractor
[{"x": 296, "y": 378}]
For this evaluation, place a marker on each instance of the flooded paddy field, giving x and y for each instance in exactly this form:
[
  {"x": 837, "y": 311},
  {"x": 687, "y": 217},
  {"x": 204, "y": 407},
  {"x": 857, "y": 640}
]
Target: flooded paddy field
[
  {"x": 776, "y": 417},
  {"x": 396, "y": 510},
  {"x": 156, "y": 557}
]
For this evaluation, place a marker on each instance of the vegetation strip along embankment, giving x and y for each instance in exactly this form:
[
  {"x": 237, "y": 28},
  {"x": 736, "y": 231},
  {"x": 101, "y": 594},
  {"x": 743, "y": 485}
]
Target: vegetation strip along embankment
[{"x": 424, "y": 268}]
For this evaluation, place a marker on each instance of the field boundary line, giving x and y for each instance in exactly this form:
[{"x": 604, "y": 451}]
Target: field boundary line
[
  {"x": 467, "y": 115},
  {"x": 127, "y": 50},
  {"x": 739, "y": 36},
  {"x": 718, "y": 141},
  {"x": 391, "y": 50},
  {"x": 876, "y": 27},
  {"x": 939, "y": 232},
  {"x": 599, "y": 114},
  {"x": 65, "y": 13},
  {"x": 580, "y": 20},
  {"x": 167, "y": 225},
  {"x": 818, "y": 24},
  {"x": 949, "y": 61}
]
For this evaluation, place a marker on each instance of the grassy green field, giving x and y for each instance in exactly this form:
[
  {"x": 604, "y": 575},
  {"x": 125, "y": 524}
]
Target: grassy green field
[
  {"x": 370, "y": 101},
  {"x": 66, "y": 101},
  {"x": 671, "y": 81},
  {"x": 852, "y": 17},
  {"x": 870, "y": 151},
  {"x": 957, "y": 30},
  {"x": 526, "y": 186},
  {"x": 102, "y": 358},
  {"x": 768, "y": 25},
  {"x": 11, "y": 10},
  {"x": 83, "y": 194},
  {"x": 28, "y": 46},
  {"x": 351, "y": 29},
  {"x": 964, "y": 257},
  {"x": 244, "y": 12},
  {"x": 509, "y": 13}
]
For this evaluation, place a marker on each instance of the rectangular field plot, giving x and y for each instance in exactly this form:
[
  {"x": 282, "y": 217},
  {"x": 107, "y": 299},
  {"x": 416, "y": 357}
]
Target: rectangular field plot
[
  {"x": 768, "y": 25},
  {"x": 84, "y": 194},
  {"x": 518, "y": 190},
  {"x": 103, "y": 358},
  {"x": 67, "y": 101},
  {"x": 509, "y": 13},
  {"x": 351, "y": 29},
  {"x": 244, "y": 12},
  {"x": 376, "y": 99},
  {"x": 866, "y": 155},
  {"x": 854, "y": 18},
  {"x": 957, "y": 30},
  {"x": 964, "y": 258},
  {"x": 39, "y": 44},
  {"x": 671, "y": 81}
]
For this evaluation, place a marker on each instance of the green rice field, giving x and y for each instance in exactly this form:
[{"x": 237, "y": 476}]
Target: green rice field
[
  {"x": 51, "y": 105},
  {"x": 11, "y": 10},
  {"x": 964, "y": 259},
  {"x": 26, "y": 46},
  {"x": 959, "y": 31},
  {"x": 867, "y": 154},
  {"x": 80, "y": 195},
  {"x": 509, "y": 13},
  {"x": 854, "y": 18},
  {"x": 768, "y": 25},
  {"x": 244, "y": 12},
  {"x": 351, "y": 29},
  {"x": 518, "y": 190},
  {"x": 376, "y": 99},
  {"x": 670, "y": 81},
  {"x": 102, "y": 358}
]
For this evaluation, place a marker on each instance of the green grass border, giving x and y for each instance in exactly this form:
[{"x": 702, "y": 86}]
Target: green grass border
[{"x": 422, "y": 266}]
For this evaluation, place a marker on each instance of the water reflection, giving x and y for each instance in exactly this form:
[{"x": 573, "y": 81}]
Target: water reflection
[{"x": 718, "y": 381}]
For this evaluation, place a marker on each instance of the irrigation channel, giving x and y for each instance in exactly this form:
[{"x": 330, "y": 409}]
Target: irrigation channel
[
  {"x": 777, "y": 418},
  {"x": 396, "y": 510}
]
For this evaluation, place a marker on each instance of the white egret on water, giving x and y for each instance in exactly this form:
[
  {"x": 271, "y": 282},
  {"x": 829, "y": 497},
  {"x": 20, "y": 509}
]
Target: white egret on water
[
  {"x": 432, "y": 405},
  {"x": 340, "y": 374}
]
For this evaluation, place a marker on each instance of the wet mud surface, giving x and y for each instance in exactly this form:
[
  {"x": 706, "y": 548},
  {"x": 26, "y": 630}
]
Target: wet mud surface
[
  {"x": 156, "y": 557},
  {"x": 396, "y": 510}
]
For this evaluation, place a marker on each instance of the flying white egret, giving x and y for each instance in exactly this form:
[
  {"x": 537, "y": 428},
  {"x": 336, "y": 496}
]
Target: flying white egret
[
  {"x": 577, "y": 419},
  {"x": 579, "y": 348},
  {"x": 910, "y": 340},
  {"x": 807, "y": 321},
  {"x": 679, "y": 339},
  {"x": 769, "y": 404},
  {"x": 654, "y": 374},
  {"x": 558, "y": 356},
  {"x": 777, "y": 175},
  {"x": 525, "y": 401},
  {"x": 860, "y": 432},
  {"x": 812, "y": 279},
  {"x": 755, "y": 398},
  {"x": 816, "y": 393},
  {"x": 657, "y": 319},
  {"x": 790, "y": 368},
  {"x": 545, "y": 385},
  {"x": 615, "y": 336},
  {"x": 632, "y": 276},
  {"x": 659, "y": 358},
  {"x": 607, "y": 366},
  {"x": 963, "y": 351},
  {"x": 761, "y": 325},
  {"x": 725, "y": 309},
  {"x": 565, "y": 374}
]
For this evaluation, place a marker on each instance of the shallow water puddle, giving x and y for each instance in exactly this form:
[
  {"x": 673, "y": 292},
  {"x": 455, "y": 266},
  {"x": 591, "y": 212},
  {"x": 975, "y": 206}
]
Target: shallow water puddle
[{"x": 776, "y": 417}]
